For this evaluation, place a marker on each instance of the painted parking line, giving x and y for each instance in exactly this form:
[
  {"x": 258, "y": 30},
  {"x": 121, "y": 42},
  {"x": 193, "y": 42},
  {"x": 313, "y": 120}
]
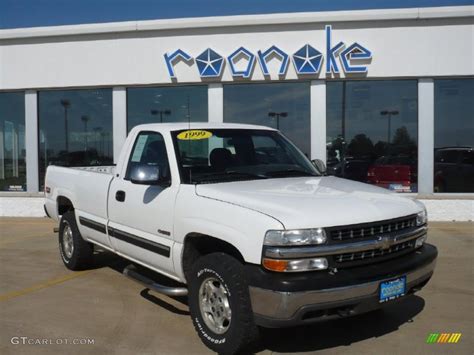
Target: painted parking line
[{"x": 9, "y": 295}]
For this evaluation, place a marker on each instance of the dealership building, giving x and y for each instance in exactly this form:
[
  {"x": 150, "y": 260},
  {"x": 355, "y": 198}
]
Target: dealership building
[{"x": 382, "y": 96}]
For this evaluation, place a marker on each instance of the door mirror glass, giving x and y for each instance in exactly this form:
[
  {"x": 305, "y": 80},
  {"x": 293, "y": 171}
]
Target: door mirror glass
[
  {"x": 145, "y": 174},
  {"x": 320, "y": 166}
]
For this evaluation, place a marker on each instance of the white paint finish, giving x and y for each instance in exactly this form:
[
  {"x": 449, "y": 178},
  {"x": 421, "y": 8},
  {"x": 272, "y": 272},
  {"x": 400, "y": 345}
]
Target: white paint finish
[
  {"x": 240, "y": 226},
  {"x": 311, "y": 202},
  {"x": 402, "y": 48},
  {"x": 243, "y": 20},
  {"x": 86, "y": 189},
  {"x": 425, "y": 136},
  {"x": 119, "y": 104},
  {"x": 31, "y": 140},
  {"x": 318, "y": 120},
  {"x": 215, "y": 97},
  {"x": 438, "y": 210}
]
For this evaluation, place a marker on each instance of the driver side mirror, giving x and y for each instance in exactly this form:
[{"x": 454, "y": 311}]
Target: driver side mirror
[
  {"x": 144, "y": 174},
  {"x": 319, "y": 165}
]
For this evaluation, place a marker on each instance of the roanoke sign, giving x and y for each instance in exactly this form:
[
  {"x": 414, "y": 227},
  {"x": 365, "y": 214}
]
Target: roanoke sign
[{"x": 308, "y": 60}]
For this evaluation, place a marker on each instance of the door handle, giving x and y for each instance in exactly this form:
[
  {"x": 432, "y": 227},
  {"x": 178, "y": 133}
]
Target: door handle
[{"x": 120, "y": 196}]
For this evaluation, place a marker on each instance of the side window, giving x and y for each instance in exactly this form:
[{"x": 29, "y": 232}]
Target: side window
[{"x": 149, "y": 149}]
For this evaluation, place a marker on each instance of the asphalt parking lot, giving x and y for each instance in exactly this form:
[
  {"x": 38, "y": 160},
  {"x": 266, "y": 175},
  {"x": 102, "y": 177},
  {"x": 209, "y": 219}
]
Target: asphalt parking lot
[{"x": 43, "y": 301}]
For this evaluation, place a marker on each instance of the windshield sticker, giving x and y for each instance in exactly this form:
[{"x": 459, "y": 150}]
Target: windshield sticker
[{"x": 194, "y": 135}]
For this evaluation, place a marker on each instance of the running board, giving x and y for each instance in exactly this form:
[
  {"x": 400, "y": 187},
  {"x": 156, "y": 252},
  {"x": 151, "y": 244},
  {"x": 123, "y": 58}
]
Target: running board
[{"x": 131, "y": 272}]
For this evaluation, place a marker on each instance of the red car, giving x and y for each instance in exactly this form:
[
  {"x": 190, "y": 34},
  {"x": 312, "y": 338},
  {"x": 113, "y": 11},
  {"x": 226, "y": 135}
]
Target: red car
[{"x": 397, "y": 173}]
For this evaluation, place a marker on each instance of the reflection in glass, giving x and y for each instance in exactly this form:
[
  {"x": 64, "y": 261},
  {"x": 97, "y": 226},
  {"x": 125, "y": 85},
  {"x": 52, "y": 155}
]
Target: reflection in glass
[
  {"x": 75, "y": 128},
  {"x": 454, "y": 136},
  {"x": 372, "y": 132},
  {"x": 166, "y": 104},
  {"x": 285, "y": 106},
  {"x": 12, "y": 142}
]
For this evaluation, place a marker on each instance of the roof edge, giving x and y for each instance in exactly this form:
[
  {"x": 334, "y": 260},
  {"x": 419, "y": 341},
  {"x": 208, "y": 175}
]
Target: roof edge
[{"x": 241, "y": 20}]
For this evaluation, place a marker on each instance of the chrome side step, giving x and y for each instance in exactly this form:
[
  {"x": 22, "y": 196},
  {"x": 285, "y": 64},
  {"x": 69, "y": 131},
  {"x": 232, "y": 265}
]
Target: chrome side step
[{"x": 131, "y": 272}]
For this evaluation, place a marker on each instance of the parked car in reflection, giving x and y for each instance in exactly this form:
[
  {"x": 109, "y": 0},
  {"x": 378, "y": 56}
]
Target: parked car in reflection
[
  {"x": 79, "y": 158},
  {"x": 454, "y": 169},
  {"x": 397, "y": 173},
  {"x": 353, "y": 169}
]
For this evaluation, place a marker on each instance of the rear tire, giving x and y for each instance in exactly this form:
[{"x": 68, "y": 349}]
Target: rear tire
[
  {"x": 219, "y": 304},
  {"x": 76, "y": 253}
]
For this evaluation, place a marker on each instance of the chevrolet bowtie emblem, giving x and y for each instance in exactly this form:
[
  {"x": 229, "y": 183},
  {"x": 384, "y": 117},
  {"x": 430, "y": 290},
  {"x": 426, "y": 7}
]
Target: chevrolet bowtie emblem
[{"x": 384, "y": 242}]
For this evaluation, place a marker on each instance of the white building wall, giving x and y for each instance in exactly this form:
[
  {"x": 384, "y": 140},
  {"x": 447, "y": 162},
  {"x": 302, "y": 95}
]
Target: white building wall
[{"x": 401, "y": 48}]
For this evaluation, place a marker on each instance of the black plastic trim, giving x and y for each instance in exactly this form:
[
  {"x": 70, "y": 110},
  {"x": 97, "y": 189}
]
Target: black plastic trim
[
  {"x": 99, "y": 227},
  {"x": 140, "y": 242},
  {"x": 318, "y": 280},
  {"x": 46, "y": 211}
]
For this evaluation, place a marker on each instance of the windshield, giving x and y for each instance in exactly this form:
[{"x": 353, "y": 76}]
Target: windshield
[{"x": 224, "y": 155}]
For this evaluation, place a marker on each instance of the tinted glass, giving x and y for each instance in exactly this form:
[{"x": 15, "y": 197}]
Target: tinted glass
[
  {"x": 224, "y": 155},
  {"x": 284, "y": 106},
  {"x": 12, "y": 142},
  {"x": 454, "y": 136},
  {"x": 75, "y": 128},
  {"x": 166, "y": 104},
  {"x": 372, "y": 132}
]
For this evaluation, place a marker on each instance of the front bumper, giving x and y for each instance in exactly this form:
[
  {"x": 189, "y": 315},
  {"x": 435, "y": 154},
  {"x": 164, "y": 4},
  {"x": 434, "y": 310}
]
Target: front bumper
[{"x": 286, "y": 300}]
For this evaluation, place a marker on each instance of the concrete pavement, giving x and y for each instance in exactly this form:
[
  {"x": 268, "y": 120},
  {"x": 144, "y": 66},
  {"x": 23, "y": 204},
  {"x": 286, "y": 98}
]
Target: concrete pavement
[{"x": 110, "y": 314}]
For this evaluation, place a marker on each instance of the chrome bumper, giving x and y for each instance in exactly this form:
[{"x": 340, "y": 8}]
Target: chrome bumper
[{"x": 285, "y": 305}]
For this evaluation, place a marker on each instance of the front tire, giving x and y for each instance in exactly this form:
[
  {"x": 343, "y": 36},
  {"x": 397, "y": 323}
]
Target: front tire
[
  {"x": 219, "y": 304},
  {"x": 76, "y": 253}
]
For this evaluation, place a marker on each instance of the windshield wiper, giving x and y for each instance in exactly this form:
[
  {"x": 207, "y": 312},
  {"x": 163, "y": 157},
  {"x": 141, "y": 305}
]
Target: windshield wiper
[
  {"x": 289, "y": 172},
  {"x": 226, "y": 176}
]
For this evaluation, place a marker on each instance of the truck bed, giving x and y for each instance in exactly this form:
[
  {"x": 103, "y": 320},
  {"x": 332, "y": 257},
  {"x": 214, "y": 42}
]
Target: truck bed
[{"x": 88, "y": 187}]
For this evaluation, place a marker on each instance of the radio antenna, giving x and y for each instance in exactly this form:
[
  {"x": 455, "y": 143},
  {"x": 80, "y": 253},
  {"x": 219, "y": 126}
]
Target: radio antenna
[{"x": 189, "y": 140}]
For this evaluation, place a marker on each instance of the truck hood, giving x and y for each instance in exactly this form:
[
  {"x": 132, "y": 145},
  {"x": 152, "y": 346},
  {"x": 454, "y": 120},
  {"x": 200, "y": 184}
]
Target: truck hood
[{"x": 308, "y": 202}]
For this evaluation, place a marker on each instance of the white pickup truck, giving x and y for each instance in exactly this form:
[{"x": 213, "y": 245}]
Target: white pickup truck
[{"x": 254, "y": 232}]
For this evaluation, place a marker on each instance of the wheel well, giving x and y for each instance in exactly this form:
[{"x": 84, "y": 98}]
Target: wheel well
[
  {"x": 197, "y": 245},
  {"x": 64, "y": 205}
]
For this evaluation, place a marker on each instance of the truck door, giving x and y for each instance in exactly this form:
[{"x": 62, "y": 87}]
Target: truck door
[{"x": 141, "y": 215}]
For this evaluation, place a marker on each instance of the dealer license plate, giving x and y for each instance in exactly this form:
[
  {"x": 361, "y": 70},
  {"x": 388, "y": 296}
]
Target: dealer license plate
[{"x": 390, "y": 290}]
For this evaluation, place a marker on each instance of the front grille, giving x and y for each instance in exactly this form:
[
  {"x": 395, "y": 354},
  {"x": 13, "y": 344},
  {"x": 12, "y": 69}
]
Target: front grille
[
  {"x": 370, "y": 230},
  {"x": 372, "y": 255}
]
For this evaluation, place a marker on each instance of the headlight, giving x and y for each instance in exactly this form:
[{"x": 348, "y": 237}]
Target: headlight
[
  {"x": 295, "y": 237},
  {"x": 421, "y": 218}
]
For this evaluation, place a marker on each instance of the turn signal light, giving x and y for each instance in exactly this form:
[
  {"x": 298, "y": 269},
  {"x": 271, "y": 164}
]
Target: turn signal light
[{"x": 275, "y": 265}]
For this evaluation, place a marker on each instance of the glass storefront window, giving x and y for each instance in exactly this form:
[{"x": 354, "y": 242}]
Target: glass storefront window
[
  {"x": 75, "y": 128},
  {"x": 285, "y": 106},
  {"x": 12, "y": 142},
  {"x": 166, "y": 104},
  {"x": 454, "y": 135},
  {"x": 372, "y": 132}
]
